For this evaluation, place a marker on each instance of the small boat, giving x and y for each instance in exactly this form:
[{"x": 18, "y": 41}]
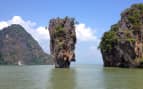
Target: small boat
[{"x": 19, "y": 63}]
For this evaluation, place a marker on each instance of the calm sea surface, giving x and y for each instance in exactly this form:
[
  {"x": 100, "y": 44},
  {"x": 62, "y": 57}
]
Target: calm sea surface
[{"x": 77, "y": 77}]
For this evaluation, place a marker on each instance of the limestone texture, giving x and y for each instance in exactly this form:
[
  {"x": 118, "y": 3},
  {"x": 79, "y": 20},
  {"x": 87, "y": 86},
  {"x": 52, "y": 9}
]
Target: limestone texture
[
  {"x": 122, "y": 45},
  {"x": 62, "y": 41}
]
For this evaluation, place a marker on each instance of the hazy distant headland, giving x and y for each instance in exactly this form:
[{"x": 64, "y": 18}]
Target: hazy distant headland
[{"x": 19, "y": 47}]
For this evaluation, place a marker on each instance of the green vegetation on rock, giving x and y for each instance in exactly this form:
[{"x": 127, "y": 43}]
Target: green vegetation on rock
[
  {"x": 59, "y": 29},
  {"x": 134, "y": 15},
  {"x": 109, "y": 39},
  {"x": 122, "y": 46}
]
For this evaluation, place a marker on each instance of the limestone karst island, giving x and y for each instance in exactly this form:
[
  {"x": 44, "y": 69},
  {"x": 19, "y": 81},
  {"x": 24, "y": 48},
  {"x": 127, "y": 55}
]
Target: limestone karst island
[
  {"x": 122, "y": 45},
  {"x": 62, "y": 41},
  {"x": 18, "y": 47}
]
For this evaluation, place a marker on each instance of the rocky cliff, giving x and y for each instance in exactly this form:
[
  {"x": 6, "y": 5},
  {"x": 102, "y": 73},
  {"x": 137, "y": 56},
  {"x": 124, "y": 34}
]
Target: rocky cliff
[
  {"x": 62, "y": 41},
  {"x": 16, "y": 45},
  {"x": 122, "y": 45}
]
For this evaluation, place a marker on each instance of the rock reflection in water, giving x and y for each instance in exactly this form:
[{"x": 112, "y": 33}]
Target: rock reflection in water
[{"x": 63, "y": 79}]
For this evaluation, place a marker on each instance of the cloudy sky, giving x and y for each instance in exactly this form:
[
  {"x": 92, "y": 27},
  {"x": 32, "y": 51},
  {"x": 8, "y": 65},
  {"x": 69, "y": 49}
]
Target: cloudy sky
[{"x": 94, "y": 17}]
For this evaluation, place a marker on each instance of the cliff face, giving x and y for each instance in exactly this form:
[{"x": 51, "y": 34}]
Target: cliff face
[
  {"x": 16, "y": 45},
  {"x": 62, "y": 41},
  {"x": 122, "y": 45}
]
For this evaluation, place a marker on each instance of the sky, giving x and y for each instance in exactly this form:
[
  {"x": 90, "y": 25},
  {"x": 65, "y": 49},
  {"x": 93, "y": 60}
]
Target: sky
[{"x": 94, "y": 16}]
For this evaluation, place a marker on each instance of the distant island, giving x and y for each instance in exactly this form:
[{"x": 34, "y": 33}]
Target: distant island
[
  {"x": 122, "y": 45},
  {"x": 17, "y": 47}
]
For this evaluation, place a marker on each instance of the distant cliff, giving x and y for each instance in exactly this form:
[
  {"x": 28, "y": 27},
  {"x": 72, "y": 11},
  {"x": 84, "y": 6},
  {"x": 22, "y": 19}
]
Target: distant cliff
[
  {"x": 122, "y": 45},
  {"x": 62, "y": 41},
  {"x": 16, "y": 45}
]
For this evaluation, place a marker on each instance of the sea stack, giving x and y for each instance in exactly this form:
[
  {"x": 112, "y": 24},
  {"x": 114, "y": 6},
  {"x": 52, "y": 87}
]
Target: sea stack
[
  {"x": 62, "y": 41},
  {"x": 122, "y": 45}
]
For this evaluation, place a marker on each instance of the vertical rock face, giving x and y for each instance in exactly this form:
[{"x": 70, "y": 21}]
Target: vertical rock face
[
  {"x": 122, "y": 45},
  {"x": 62, "y": 41}
]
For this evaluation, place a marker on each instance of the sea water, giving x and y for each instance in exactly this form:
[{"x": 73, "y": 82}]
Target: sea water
[{"x": 76, "y": 77}]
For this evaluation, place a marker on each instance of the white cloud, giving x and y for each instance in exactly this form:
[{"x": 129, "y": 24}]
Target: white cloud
[
  {"x": 3, "y": 24},
  {"x": 89, "y": 50},
  {"x": 95, "y": 53},
  {"x": 43, "y": 32},
  {"x": 85, "y": 33},
  {"x": 38, "y": 32}
]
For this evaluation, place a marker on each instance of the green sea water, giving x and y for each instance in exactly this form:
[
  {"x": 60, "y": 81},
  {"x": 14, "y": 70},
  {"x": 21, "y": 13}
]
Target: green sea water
[{"x": 77, "y": 77}]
